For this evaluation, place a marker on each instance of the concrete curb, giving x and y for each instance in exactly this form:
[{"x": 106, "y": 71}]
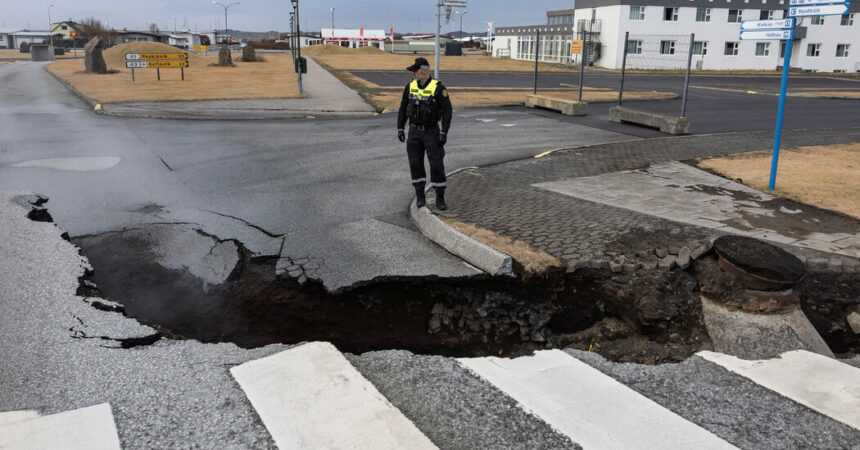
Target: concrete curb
[
  {"x": 91, "y": 101},
  {"x": 475, "y": 253}
]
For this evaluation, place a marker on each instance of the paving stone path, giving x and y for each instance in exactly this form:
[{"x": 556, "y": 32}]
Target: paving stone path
[{"x": 584, "y": 233}]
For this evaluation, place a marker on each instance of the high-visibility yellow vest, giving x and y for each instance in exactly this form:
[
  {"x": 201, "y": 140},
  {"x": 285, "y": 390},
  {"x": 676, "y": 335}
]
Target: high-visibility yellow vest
[{"x": 416, "y": 93}]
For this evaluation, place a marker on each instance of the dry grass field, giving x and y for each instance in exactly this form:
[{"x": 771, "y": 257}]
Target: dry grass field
[
  {"x": 495, "y": 96},
  {"x": 822, "y": 176},
  {"x": 273, "y": 78},
  {"x": 844, "y": 93},
  {"x": 370, "y": 58}
]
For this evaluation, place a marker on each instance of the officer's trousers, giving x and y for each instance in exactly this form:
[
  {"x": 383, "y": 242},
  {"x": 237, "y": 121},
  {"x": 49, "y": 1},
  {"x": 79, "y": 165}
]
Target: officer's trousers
[{"x": 419, "y": 142}]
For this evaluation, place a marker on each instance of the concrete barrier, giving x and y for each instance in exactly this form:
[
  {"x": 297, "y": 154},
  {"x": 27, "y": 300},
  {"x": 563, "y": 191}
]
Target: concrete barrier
[
  {"x": 566, "y": 107},
  {"x": 40, "y": 52},
  {"x": 666, "y": 124}
]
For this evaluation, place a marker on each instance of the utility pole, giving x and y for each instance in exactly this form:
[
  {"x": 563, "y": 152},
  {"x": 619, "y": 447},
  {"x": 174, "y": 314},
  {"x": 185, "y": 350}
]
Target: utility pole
[
  {"x": 50, "y": 36},
  {"x": 438, "y": 28},
  {"x": 332, "y": 21},
  {"x": 461, "y": 22},
  {"x": 299, "y": 40},
  {"x": 226, "y": 7}
]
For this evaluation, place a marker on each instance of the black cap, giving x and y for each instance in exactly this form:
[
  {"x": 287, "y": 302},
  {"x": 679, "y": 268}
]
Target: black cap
[{"x": 418, "y": 63}]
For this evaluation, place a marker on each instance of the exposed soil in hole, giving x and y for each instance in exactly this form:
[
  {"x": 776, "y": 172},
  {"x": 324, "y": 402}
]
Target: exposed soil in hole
[{"x": 650, "y": 316}]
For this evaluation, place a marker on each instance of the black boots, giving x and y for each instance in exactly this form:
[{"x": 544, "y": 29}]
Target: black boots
[
  {"x": 420, "y": 200},
  {"x": 440, "y": 199}
]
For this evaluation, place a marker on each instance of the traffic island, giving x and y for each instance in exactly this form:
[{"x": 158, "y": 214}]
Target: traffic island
[
  {"x": 666, "y": 124},
  {"x": 566, "y": 107}
]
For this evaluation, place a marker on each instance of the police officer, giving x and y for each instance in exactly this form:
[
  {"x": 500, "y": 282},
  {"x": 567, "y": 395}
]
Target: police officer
[{"x": 425, "y": 102}]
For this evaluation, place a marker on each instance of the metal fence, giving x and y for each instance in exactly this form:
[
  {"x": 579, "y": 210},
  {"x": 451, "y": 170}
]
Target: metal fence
[{"x": 658, "y": 52}]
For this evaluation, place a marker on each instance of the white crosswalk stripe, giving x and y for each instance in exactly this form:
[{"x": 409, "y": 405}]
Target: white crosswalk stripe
[
  {"x": 591, "y": 408},
  {"x": 311, "y": 397},
  {"x": 89, "y": 428},
  {"x": 815, "y": 381}
]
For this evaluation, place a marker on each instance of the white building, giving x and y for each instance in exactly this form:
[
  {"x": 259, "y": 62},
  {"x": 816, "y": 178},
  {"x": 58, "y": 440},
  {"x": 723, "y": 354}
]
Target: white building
[
  {"x": 660, "y": 33},
  {"x": 31, "y": 37},
  {"x": 6, "y": 37},
  {"x": 354, "y": 38}
]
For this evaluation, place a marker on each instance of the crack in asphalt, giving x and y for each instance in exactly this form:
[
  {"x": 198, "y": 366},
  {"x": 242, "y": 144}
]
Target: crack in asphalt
[{"x": 256, "y": 227}]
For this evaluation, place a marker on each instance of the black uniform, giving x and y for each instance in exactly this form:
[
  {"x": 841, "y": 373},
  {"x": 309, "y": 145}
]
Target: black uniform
[{"x": 424, "y": 117}]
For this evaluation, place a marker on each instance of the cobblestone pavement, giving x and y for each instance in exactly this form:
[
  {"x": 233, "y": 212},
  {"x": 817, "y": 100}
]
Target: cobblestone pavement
[{"x": 587, "y": 234}]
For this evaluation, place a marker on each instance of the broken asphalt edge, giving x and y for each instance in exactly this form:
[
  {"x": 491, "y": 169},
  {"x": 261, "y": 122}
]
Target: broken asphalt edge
[
  {"x": 90, "y": 101},
  {"x": 473, "y": 252}
]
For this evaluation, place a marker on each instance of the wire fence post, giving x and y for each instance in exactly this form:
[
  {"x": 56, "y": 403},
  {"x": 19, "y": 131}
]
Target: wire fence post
[
  {"x": 623, "y": 67},
  {"x": 537, "y": 53},
  {"x": 582, "y": 60},
  {"x": 687, "y": 78}
]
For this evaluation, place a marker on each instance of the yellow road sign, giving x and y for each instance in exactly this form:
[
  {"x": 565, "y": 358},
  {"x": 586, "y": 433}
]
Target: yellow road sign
[
  {"x": 576, "y": 46},
  {"x": 199, "y": 48},
  {"x": 155, "y": 64},
  {"x": 155, "y": 56},
  {"x": 73, "y": 33}
]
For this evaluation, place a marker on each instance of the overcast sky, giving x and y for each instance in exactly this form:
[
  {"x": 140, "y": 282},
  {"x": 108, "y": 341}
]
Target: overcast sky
[{"x": 264, "y": 15}]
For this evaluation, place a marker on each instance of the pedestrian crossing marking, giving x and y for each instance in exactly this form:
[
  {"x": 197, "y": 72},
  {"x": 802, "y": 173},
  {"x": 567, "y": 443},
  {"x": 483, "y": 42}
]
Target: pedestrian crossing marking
[
  {"x": 591, "y": 408},
  {"x": 815, "y": 381},
  {"x": 311, "y": 397},
  {"x": 90, "y": 428}
]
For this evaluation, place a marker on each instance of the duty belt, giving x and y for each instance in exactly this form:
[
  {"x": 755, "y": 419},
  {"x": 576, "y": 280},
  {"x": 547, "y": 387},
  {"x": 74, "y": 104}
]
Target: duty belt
[{"x": 423, "y": 127}]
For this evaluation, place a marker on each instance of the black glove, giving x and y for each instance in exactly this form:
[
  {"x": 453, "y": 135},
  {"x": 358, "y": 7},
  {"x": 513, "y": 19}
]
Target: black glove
[
  {"x": 401, "y": 135},
  {"x": 443, "y": 138}
]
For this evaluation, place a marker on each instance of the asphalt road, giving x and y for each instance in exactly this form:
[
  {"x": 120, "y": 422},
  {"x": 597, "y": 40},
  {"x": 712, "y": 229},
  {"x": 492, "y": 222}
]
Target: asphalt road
[{"x": 307, "y": 187}]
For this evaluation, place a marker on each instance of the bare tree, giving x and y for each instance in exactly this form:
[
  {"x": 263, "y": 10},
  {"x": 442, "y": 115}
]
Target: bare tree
[
  {"x": 91, "y": 27},
  {"x": 153, "y": 27}
]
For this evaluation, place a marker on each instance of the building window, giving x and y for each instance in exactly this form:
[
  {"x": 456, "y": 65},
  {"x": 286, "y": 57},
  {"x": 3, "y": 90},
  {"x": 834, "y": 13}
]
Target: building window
[
  {"x": 813, "y": 50},
  {"x": 731, "y": 49},
  {"x": 842, "y": 50},
  {"x": 703, "y": 14},
  {"x": 667, "y": 47},
  {"x": 782, "y": 49},
  {"x": 64, "y": 27},
  {"x": 637, "y": 13},
  {"x": 700, "y": 48},
  {"x": 816, "y": 20},
  {"x": 762, "y": 48},
  {"x": 765, "y": 15},
  {"x": 735, "y": 16},
  {"x": 670, "y": 14},
  {"x": 634, "y": 47},
  {"x": 847, "y": 20}
]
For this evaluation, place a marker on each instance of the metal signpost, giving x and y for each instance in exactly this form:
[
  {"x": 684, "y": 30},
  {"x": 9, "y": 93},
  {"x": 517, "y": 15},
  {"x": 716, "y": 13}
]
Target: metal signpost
[
  {"x": 156, "y": 61},
  {"x": 783, "y": 29},
  {"x": 447, "y": 4},
  {"x": 74, "y": 34}
]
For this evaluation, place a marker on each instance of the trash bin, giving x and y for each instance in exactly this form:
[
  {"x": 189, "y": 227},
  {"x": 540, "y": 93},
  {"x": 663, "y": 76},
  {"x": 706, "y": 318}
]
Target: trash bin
[
  {"x": 453, "y": 49},
  {"x": 301, "y": 64}
]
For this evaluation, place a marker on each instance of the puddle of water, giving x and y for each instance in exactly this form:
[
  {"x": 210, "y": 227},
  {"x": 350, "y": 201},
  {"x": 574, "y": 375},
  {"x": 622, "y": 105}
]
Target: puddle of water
[{"x": 78, "y": 164}]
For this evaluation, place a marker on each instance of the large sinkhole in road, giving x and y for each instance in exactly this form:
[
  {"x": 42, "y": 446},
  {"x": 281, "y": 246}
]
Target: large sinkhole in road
[{"x": 190, "y": 285}]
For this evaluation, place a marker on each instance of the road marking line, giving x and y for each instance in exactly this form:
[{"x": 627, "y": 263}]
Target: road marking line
[
  {"x": 815, "y": 381},
  {"x": 89, "y": 428},
  {"x": 593, "y": 409},
  {"x": 10, "y": 417},
  {"x": 541, "y": 155},
  {"x": 311, "y": 397}
]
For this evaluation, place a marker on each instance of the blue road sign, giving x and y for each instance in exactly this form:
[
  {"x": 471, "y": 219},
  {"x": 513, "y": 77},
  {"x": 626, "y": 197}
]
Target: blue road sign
[
  {"x": 815, "y": 2},
  {"x": 767, "y": 35},
  {"x": 821, "y": 10},
  {"x": 774, "y": 24}
]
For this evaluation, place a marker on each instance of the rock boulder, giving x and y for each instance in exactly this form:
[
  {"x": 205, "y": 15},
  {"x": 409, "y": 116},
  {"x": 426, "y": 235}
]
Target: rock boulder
[
  {"x": 94, "y": 61},
  {"x": 224, "y": 57}
]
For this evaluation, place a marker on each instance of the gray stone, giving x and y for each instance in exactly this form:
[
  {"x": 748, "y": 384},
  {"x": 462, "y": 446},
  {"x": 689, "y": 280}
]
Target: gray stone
[
  {"x": 668, "y": 262},
  {"x": 249, "y": 54},
  {"x": 666, "y": 124},
  {"x": 854, "y": 322},
  {"x": 699, "y": 251},
  {"x": 225, "y": 58},
  {"x": 661, "y": 252},
  {"x": 650, "y": 262},
  {"x": 566, "y": 107},
  {"x": 94, "y": 61},
  {"x": 615, "y": 267},
  {"x": 684, "y": 257},
  {"x": 629, "y": 268}
]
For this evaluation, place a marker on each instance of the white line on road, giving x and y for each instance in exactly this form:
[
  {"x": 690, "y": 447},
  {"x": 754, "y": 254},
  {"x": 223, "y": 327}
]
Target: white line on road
[
  {"x": 815, "y": 381},
  {"x": 593, "y": 409},
  {"x": 311, "y": 397},
  {"x": 89, "y": 428}
]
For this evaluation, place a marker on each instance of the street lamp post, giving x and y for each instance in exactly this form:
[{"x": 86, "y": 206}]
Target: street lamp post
[
  {"x": 50, "y": 35},
  {"x": 332, "y": 20},
  {"x": 461, "y": 22},
  {"x": 226, "y": 7},
  {"x": 298, "y": 40}
]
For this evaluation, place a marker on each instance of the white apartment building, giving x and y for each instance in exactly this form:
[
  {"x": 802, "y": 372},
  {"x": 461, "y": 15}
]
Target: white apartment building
[{"x": 660, "y": 33}]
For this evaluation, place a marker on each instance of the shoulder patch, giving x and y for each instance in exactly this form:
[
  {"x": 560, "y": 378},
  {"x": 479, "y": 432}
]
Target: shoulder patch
[{"x": 444, "y": 92}]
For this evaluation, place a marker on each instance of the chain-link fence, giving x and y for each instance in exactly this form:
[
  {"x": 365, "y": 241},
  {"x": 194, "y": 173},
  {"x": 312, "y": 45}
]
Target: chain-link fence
[{"x": 660, "y": 52}]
